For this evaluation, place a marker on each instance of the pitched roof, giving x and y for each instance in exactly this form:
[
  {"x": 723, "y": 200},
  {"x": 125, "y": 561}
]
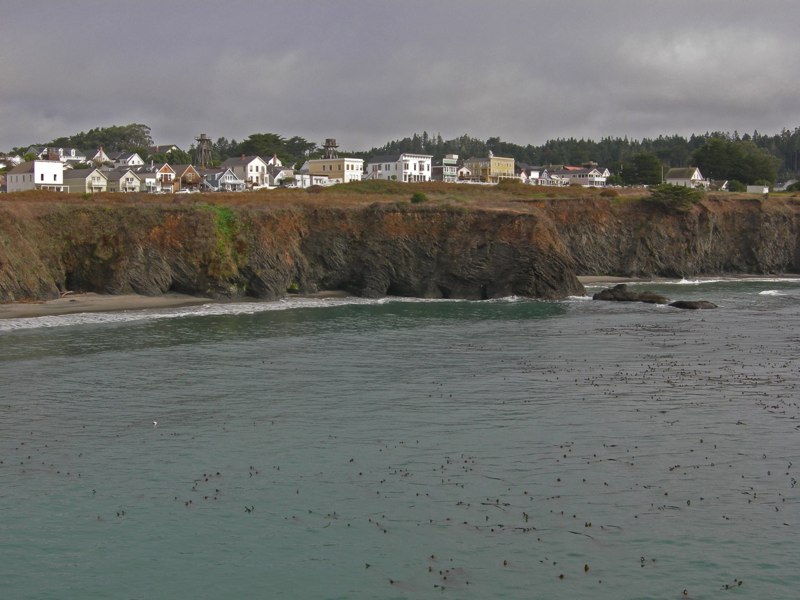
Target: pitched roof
[
  {"x": 240, "y": 161},
  {"x": 26, "y": 167},
  {"x": 681, "y": 173},
  {"x": 81, "y": 173}
]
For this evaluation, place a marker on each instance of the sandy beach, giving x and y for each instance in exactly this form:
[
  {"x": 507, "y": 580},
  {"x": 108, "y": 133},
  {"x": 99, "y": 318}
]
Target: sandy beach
[{"x": 90, "y": 302}]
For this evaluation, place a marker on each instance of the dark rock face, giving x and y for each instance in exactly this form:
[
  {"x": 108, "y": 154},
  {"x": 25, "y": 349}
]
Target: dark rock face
[
  {"x": 621, "y": 293},
  {"x": 231, "y": 252},
  {"x": 693, "y": 304},
  {"x": 236, "y": 247}
]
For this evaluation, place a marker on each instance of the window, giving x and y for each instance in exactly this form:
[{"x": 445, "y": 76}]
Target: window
[{"x": 42, "y": 177}]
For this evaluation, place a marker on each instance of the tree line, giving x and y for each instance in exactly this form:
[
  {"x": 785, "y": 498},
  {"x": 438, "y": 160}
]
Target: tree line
[{"x": 749, "y": 158}]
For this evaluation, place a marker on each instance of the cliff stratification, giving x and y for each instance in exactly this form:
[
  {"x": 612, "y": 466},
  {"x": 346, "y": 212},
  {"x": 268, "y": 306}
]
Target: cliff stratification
[
  {"x": 225, "y": 248},
  {"x": 261, "y": 251}
]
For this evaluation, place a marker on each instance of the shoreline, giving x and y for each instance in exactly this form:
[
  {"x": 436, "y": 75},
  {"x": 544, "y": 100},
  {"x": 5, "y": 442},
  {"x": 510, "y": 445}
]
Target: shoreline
[{"x": 91, "y": 302}]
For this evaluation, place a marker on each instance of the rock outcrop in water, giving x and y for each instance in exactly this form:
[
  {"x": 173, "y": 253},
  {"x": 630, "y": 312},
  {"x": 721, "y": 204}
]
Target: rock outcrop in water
[
  {"x": 693, "y": 304},
  {"x": 468, "y": 243},
  {"x": 622, "y": 293}
]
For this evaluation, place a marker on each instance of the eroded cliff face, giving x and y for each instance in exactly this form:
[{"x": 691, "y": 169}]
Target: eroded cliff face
[
  {"x": 230, "y": 252},
  {"x": 434, "y": 250},
  {"x": 718, "y": 236}
]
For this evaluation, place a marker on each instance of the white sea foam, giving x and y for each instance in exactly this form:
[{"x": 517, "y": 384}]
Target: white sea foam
[
  {"x": 213, "y": 309},
  {"x": 771, "y": 293}
]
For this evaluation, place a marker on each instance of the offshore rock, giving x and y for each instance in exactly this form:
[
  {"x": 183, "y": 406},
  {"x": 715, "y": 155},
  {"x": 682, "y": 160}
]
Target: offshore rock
[
  {"x": 693, "y": 304},
  {"x": 621, "y": 293}
]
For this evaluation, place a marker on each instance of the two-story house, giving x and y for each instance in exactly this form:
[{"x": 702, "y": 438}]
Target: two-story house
[
  {"x": 251, "y": 169},
  {"x": 37, "y": 175},
  {"x": 123, "y": 179},
  {"x": 406, "y": 167},
  {"x": 490, "y": 169},
  {"x": 337, "y": 170},
  {"x": 447, "y": 171},
  {"x": 86, "y": 181},
  {"x": 221, "y": 180}
]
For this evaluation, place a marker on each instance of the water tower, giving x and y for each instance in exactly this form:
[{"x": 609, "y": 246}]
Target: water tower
[
  {"x": 203, "y": 151},
  {"x": 330, "y": 148}
]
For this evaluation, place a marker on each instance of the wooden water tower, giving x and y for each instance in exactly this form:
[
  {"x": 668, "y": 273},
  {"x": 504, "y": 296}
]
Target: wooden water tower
[
  {"x": 203, "y": 151},
  {"x": 330, "y": 148}
]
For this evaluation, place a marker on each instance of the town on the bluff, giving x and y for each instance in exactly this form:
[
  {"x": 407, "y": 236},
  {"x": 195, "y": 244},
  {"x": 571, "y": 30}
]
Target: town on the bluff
[{"x": 51, "y": 168}]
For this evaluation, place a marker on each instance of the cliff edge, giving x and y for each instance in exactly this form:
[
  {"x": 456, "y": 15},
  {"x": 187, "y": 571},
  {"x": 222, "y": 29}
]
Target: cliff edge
[{"x": 471, "y": 244}]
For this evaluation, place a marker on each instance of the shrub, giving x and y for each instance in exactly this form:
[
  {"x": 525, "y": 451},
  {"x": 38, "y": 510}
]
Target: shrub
[
  {"x": 607, "y": 193},
  {"x": 736, "y": 186},
  {"x": 418, "y": 197},
  {"x": 674, "y": 197}
]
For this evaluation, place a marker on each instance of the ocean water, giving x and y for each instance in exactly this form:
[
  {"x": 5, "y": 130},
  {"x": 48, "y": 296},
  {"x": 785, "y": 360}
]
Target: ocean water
[{"x": 349, "y": 448}]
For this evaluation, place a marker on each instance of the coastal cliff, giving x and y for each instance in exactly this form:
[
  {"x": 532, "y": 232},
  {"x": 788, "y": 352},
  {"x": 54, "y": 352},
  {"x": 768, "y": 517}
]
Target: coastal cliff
[{"x": 461, "y": 243}]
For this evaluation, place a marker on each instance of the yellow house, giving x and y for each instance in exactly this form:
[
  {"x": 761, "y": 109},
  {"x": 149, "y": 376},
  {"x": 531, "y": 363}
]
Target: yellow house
[
  {"x": 490, "y": 169},
  {"x": 338, "y": 170}
]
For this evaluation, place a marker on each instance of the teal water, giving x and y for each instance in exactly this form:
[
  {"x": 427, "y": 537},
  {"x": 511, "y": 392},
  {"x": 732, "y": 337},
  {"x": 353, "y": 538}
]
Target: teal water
[{"x": 406, "y": 449}]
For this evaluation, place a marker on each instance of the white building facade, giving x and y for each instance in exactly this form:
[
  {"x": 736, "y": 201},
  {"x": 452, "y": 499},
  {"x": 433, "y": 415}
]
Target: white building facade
[
  {"x": 37, "y": 175},
  {"x": 405, "y": 167}
]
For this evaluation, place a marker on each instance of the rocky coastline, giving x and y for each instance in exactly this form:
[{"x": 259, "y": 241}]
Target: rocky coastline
[{"x": 222, "y": 249}]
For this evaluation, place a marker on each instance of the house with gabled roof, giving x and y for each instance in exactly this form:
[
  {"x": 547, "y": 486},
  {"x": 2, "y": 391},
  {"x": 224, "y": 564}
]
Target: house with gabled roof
[
  {"x": 251, "y": 169},
  {"x": 86, "y": 181},
  {"x": 127, "y": 159},
  {"x": 100, "y": 158},
  {"x": 221, "y": 180},
  {"x": 123, "y": 179},
  {"x": 156, "y": 180},
  {"x": 686, "y": 177},
  {"x": 161, "y": 149},
  {"x": 186, "y": 178},
  {"x": 64, "y": 155}
]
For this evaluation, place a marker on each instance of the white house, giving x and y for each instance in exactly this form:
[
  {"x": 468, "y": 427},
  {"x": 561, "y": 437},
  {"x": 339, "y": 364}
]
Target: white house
[
  {"x": 100, "y": 158},
  {"x": 127, "y": 159},
  {"x": 585, "y": 176},
  {"x": 63, "y": 155},
  {"x": 36, "y": 175},
  {"x": 251, "y": 169},
  {"x": 304, "y": 179},
  {"x": 404, "y": 167},
  {"x": 686, "y": 177},
  {"x": 86, "y": 181}
]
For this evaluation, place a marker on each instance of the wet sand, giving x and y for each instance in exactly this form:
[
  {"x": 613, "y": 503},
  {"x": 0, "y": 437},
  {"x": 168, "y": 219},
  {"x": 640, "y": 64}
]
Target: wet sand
[{"x": 90, "y": 302}]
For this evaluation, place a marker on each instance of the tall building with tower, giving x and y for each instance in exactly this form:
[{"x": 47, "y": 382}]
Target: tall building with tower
[{"x": 337, "y": 169}]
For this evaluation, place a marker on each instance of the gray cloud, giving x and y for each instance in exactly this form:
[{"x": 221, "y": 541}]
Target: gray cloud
[{"x": 367, "y": 71}]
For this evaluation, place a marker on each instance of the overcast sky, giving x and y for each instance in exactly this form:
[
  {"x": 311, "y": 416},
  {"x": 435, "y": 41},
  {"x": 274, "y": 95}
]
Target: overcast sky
[{"x": 370, "y": 71}]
